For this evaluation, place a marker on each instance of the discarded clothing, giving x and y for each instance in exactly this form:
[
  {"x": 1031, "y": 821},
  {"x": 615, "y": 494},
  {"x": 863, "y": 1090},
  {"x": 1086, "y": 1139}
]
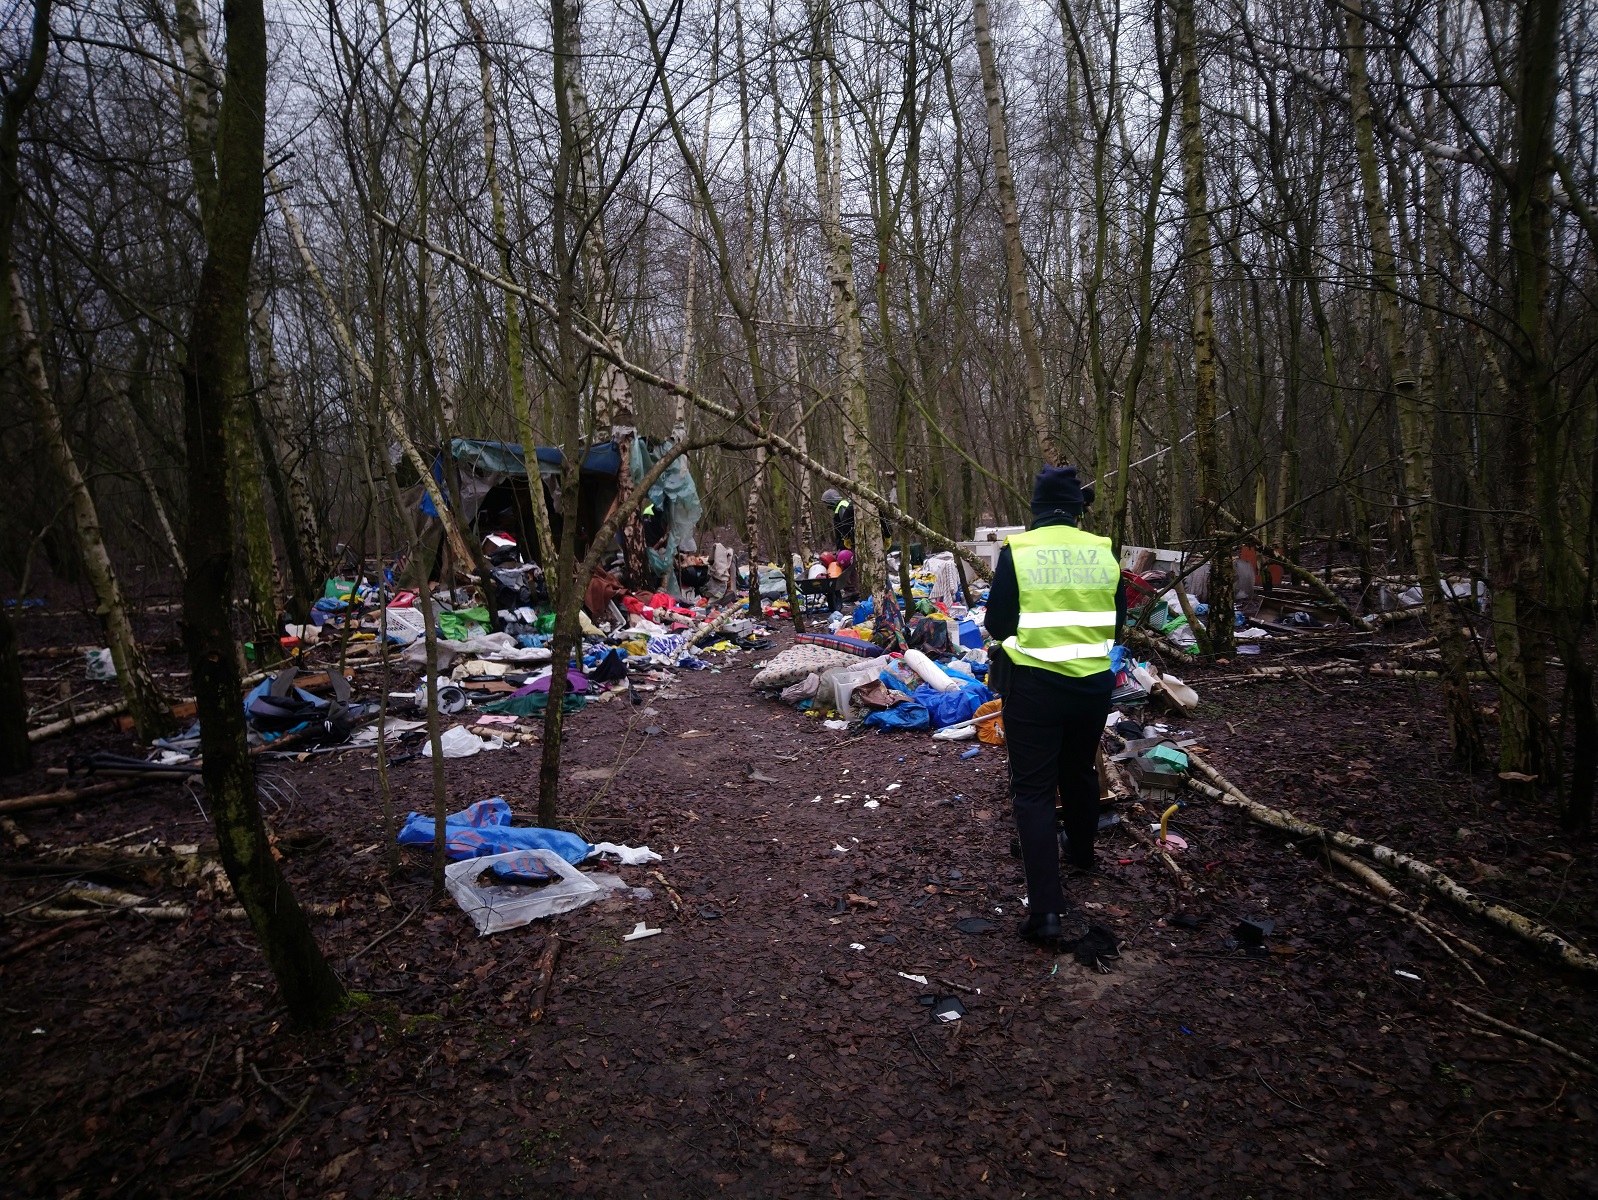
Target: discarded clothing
[
  {"x": 484, "y": 828},
  {"x": 460, "y": 742},
  {"x": 457, "y": 626},
  {"x": 631, "y": 856}
]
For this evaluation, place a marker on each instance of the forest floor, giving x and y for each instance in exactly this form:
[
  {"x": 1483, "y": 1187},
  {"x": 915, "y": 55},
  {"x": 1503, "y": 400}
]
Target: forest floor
[{"x": 767, "y": 1042}]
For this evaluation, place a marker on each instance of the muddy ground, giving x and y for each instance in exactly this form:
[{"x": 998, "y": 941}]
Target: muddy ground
[{"x": 766, "y": 1043}]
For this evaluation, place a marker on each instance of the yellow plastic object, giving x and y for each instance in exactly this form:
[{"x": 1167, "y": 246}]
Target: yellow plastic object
[
  {"x": 1166, "y": 816},
  {"x": 990, "y": 730}
]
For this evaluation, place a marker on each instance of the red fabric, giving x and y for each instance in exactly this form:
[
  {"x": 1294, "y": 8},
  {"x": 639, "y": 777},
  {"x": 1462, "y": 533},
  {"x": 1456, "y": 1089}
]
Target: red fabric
[
  {"x": 1137, "y": 590},
  {"x": 602, "y": 588}
]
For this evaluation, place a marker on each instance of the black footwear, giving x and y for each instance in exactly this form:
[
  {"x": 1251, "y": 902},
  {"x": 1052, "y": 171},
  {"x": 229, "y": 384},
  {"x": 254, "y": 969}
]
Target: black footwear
[
  {"x": 1082, "y": 864},
  {"x": 1041, "y": 927}
]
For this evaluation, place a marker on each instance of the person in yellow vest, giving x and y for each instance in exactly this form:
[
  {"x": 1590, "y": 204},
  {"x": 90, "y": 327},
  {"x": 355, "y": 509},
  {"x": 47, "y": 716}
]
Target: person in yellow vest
[{"x": 1056, "y": 606}]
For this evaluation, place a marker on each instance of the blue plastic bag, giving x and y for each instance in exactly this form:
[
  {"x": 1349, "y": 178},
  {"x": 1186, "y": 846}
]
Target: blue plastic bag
[
  {"x": 912, "y": 714},
  {"x": 954, "y": 707},
  {"x": 484, "y": 828}
]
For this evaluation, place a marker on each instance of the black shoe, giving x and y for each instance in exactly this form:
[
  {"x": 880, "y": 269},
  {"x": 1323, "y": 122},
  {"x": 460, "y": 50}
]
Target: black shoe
[
  {"x": 1083, "y": 864},
  {"x": 1041, "y": 927}
]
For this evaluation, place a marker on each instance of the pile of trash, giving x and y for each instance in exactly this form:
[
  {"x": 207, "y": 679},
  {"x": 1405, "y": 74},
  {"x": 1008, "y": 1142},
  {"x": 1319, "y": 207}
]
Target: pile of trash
[{"x": 925, "y": 668}]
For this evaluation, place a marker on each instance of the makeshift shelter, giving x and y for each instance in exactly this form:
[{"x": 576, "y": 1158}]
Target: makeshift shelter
[{"x": 494, "y": 495}]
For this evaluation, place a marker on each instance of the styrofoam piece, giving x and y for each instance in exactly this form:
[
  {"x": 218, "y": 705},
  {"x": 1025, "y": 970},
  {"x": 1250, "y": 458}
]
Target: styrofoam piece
[{"x": 931, "y": 674}]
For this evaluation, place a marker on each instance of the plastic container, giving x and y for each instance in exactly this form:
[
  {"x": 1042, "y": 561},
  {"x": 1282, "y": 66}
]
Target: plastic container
[
  {"x": 970, "y": 635},
  {"x": 838, "y": 684},
  {"x": 498, "y": 906}
]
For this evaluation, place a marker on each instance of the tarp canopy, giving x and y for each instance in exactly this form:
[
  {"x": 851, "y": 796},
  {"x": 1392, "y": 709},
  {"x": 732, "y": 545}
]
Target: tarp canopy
[
  {"x": 507, "y": 458},
  {"x": 492, "y": 462},
  {"x": 675, "y": 491}
]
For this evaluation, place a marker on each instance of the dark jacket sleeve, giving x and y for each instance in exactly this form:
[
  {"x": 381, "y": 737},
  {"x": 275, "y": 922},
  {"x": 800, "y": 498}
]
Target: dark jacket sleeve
[{"x": 1004, "y": 599}]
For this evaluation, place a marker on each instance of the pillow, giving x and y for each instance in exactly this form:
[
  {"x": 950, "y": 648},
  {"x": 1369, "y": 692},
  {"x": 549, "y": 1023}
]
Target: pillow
[{"x": 794, "y": 663}]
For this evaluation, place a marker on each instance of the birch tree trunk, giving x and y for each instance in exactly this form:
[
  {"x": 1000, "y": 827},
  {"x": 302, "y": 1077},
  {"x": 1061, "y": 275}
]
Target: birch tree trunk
[
  {"x": 1414, "y": 424},
  {"x": 387, "y": 404},
  {"x": 152, "y": 714},
  {"x": 615, "y": 390},
  {"x": 1147, "y": 237},
  {"x": 1200, "y": 273},
  {"x": 118, "y": 398},
  {"x": 305, "y": 539},
  {"x": 870, "y": 558},
  {"x": 1014, "y": 256},
  {"x": 520, "y": 409}
]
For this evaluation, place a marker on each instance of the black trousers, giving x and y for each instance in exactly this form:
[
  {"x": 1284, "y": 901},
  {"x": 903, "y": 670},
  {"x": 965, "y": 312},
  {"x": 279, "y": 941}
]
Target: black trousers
[{"x": 1052, "y": 726}]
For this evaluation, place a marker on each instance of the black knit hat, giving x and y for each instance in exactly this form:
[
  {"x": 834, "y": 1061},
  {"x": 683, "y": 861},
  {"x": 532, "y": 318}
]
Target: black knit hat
[{"x": 1056, "y": 490}]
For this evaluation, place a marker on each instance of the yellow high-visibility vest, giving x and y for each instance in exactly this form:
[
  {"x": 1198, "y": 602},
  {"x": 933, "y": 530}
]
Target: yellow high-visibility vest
[{"x": 1067, "y": 581}]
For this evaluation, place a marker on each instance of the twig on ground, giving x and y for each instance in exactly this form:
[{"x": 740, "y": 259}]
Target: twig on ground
[
  {"x": 546, "y": 976},
  {"x": 1283, "y": 1098},
  {"x": 222, "y": 1180},
  {"x": 383, "y": 937},
  {"x": 1526, "y": 1035},
  {"x": 1534, "y": 934},
  {"x": 1423, "y": 922}
]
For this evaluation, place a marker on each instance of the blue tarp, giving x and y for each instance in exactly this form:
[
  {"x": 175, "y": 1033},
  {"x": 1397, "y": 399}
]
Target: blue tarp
[
  {"x": 928, "y": 708},
  {"x": 953, "y": 708},
  {"x": 912, "y": 714},
  {"x": 484, "y": 828}
]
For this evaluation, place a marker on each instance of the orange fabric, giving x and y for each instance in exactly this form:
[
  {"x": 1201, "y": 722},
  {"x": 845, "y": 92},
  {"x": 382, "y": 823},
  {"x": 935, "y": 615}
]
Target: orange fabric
[{"x": 991, "y": 732}]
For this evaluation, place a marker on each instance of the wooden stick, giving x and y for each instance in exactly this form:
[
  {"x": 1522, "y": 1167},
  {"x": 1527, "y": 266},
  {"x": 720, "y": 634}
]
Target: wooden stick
[
  {"x": 1369, "y": 876},
  {"x": 1422, "y": 922},
  {"x": 671, "y": 892},
  {"x": 96, "y": 791},
  {"x": 1525, "y": 1035},
  {"x": 66, "y": 723},
  {"x": 546, "y": 976},
  {"x": 1531, "y": 932},
  {"x": 40, "y": 939}
]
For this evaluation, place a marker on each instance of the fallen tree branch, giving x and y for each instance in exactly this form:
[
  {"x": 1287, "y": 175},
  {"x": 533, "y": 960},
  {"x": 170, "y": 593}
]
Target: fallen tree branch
[
  {"x": 40, "y": 939},
  {"x": 1369, "y": 876},
  {"x": 774, "y": 441},
  {"x": 1426, "y": 926},
  {"x": 102, "y": 713},
  {"x": 383, "y": 937},
  {"x": 98, "y": 791},
  {"x": 1530, "y": 932},
  {"x": 1525, "y": 1035}
]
